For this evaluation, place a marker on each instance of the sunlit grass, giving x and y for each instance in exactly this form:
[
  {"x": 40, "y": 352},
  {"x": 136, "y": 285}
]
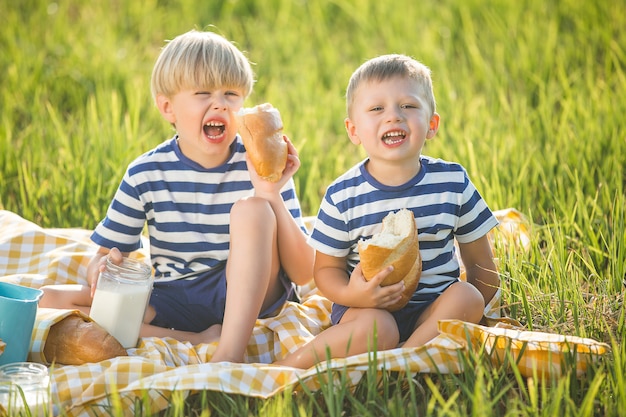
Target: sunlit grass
[{"x": 531, "y": 94}]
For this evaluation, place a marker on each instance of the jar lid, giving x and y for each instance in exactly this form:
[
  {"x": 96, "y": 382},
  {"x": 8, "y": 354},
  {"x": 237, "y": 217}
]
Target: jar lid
[
  {"x": 131, "y": 270},
  {"x": 23, "y": 373}
]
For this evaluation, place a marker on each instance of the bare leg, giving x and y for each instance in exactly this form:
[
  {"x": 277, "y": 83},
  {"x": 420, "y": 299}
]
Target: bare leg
[
  {"x": 66, "y": 296},
  {"x": 212, "y": 334},
  {"x": 353, "y": 335},
  {"x": 461, "y": 301},
  {"x": 252, "y": 275}
]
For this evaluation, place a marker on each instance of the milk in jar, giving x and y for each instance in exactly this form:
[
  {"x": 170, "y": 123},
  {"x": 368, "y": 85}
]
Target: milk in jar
[{"x": 121, "y": 298}]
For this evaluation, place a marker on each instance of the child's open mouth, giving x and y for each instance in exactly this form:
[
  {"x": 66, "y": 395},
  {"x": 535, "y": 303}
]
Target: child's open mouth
[
  {"x": 393, "y": 138},
  {"x": 214, "y": 130}
]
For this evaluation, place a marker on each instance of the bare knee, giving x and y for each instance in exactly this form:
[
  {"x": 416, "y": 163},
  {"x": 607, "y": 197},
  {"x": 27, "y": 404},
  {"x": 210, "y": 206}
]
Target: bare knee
[
  {"x": 252, "y": 209},
  {"x": 374, "y": 325},
  {"x": 253, "y": 230},
  {"x": 469, "y": 300}
]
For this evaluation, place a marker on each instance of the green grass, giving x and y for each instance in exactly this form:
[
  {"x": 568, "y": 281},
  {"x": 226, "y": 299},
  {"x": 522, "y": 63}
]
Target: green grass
[{"x": 531, "y": 93}]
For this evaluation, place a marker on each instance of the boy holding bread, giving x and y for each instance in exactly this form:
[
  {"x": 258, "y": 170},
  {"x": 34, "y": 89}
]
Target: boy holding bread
[
  {"x": 422, "y": 204},
  {"x": 227, "y": 244}
]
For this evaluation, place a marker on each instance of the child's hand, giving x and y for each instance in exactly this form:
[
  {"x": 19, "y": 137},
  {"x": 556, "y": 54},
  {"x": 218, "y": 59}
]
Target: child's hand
[
  {"x": 116, "y": 257},
  {"x": 370, "y": 293},
  {"x": 264, "y": 188}
]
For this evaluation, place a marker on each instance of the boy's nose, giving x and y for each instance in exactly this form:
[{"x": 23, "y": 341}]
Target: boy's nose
[
  {"x": 220, "y": 104},
  {"x": 394, "y": 115}
]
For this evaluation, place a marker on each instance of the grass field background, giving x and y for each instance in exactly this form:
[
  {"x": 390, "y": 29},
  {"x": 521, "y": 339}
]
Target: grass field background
[{"x": 532, "y": 96}]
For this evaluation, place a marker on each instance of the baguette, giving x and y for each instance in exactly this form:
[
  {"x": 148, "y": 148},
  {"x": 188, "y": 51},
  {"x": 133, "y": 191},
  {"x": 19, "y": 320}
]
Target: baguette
[
  {"x": 396, "y": 245},
  {"x": 261, "y": 129},
  {"x": 76, "y": 340}
]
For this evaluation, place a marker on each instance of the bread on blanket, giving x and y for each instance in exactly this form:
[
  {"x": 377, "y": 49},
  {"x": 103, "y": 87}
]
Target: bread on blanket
[
  {"x": 261, "y": 129},
  {"x": 76, "y": 340},
  {"x": 397, "y": 245}
]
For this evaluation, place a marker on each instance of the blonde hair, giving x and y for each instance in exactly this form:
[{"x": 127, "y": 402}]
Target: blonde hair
[
  {"x": 385, "y": 67},
  {"x": 200, "y": 59}
]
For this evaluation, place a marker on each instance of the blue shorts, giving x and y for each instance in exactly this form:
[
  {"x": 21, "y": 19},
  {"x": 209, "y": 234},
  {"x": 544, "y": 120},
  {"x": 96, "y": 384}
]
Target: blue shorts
[
  {"x": 406, "y": 317},
  {"x": 195, "y": 305}
]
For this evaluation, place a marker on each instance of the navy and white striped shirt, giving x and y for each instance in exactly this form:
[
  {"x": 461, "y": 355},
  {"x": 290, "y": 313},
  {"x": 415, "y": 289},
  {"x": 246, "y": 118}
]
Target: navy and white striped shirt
[
  {"x": 445, "y": 203},
  {"x": 185, "y": 206}
]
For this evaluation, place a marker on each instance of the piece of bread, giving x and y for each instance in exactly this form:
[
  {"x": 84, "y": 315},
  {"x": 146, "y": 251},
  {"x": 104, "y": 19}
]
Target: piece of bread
[
  {"x": 261, "y": 129},
  {"x": 397, "y": 245},
  {"x": 76, "y": 340}
]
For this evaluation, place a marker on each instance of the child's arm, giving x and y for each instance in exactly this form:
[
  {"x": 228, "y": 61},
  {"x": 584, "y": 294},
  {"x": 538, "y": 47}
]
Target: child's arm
[
  {"x": 480, "y": 267},
  {"x": 296, "y": 256},
  {"x": 332, "y": 279}
]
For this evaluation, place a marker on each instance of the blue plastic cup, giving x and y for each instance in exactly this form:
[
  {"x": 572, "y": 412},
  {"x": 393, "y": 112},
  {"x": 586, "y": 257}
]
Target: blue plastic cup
[{"x": 18, "y": 309}]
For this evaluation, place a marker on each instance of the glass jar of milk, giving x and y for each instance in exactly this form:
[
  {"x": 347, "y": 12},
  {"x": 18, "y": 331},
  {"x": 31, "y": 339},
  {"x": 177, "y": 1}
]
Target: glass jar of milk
[
  {"x": 120, "y": 300},
  {"x": 25, "y": 389}
]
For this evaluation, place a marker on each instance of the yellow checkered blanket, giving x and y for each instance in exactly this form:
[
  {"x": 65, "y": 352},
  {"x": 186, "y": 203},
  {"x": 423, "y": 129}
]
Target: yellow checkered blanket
[{"x": 33, "y": 256}]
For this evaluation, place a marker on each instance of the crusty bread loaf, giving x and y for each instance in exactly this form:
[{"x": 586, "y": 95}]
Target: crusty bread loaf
[
  {"x": 397, "y": 245},
  {"x": 261, "y": 129},
  {"x": 76, "y": 340}
]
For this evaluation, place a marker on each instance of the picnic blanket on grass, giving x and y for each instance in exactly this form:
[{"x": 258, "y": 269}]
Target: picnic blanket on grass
[{"x": 34, "y": 256}]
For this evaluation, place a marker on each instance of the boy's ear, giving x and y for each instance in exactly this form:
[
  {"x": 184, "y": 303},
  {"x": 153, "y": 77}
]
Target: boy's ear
[
  {"x": 351, "y": 129},
  {"x": 433, "y": 126},
  {"x": 165, "y": 107}
]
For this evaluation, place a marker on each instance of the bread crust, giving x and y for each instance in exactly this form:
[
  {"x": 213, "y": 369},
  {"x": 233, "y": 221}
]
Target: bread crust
[
  {"x": 261, "y": 130},
  {"x": 404, "y": 256},
  {"x": 76, "y": 340},
  {"x": 411, "y": 281}
]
